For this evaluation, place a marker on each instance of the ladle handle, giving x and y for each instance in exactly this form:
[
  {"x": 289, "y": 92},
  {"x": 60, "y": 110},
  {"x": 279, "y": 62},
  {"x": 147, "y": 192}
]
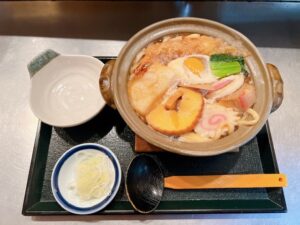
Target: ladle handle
[{"x": 226, "y": 181}]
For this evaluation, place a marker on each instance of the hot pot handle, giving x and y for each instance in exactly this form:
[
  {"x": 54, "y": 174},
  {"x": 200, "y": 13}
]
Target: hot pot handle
[
  {"x": 277, "y": 84},
  {"x": 105, "y": 83}
]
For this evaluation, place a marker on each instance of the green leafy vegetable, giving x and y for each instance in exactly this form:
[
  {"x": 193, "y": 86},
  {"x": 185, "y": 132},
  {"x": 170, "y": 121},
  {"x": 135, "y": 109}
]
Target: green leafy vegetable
[
  {"x": 223, "y": 65},
  {"x": 227, "y": 58}
]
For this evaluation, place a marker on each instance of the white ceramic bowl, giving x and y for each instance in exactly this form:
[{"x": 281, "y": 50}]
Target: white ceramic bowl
[
  {"x": 63, "y": 173},
  {"x": 64, "y": 88}
]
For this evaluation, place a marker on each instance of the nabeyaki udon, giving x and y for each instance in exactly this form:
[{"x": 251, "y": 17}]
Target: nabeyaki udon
[{"x": 193, "y": 87}]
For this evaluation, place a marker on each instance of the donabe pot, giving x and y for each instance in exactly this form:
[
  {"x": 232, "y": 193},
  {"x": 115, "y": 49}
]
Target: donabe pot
[{"x": 268, "y": 83}]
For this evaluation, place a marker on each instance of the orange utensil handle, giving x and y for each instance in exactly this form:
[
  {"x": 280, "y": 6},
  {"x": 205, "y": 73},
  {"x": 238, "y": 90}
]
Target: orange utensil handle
[{"x": 226, "y": 181}]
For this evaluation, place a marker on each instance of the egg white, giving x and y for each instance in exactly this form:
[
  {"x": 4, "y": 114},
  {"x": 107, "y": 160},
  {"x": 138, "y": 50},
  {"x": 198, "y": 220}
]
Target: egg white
[{"x": 187, "y": 76}]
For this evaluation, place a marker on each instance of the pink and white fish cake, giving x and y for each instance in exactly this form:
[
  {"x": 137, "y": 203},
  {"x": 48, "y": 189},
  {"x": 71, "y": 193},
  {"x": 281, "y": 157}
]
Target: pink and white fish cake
[{"x": 217, "y": 121}]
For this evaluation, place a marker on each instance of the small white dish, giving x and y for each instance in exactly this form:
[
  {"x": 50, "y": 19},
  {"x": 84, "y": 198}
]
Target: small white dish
[
  {"x": 65, "y": 88},
  {"x": 62, "y": 180}
]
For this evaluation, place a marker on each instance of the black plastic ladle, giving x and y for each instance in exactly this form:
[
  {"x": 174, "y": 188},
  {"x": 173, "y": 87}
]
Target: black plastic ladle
[{"x": 145, "y": 182}]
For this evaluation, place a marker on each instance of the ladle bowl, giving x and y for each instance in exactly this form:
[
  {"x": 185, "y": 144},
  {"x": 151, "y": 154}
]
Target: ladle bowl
[{"x": 144, "y": 184}]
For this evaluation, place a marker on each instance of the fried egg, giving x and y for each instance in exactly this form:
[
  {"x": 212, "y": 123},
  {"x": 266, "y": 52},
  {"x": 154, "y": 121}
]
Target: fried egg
[{"x": 193, "y": 69}]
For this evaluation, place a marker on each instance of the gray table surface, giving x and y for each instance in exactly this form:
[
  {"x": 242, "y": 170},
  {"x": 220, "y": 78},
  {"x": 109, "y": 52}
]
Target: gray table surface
[{"x": 18, "y": 126}]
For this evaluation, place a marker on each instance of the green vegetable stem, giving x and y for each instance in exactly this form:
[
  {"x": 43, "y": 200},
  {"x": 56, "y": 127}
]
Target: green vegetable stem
[{"x": 223, "y": 65}]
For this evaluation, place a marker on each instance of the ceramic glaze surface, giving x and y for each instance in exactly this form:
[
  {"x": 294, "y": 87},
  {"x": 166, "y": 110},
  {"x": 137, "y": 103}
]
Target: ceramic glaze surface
[
  {"x": 68, "y": 178},
  {"x": 86, "y": 178},
  {"x": 262, "y": 79},
  {"x": 65, "y": 91}
]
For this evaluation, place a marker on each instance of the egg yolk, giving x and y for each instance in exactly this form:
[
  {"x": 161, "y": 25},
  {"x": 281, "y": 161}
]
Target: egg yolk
[{"x": 195, "y": 65}]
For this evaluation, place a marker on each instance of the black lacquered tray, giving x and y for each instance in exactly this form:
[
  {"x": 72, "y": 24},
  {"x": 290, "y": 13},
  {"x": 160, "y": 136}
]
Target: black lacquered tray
[{"x": 108, "y": 128}]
